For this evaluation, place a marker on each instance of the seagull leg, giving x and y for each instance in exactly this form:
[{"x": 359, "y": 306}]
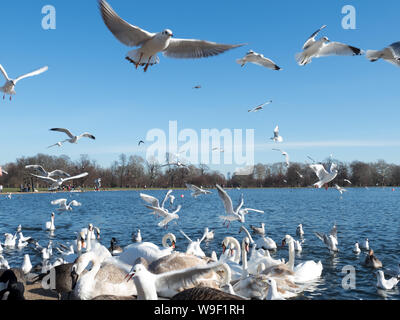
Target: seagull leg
[
  {"x": 4, "y": 96},
  {"x": 10, "y": 98},
  {"x": 229, "y": 223},
  {"x": 326, "y": 186},
  {"x": 147, "y": 65},
  {"x": 137, "y": 64}
]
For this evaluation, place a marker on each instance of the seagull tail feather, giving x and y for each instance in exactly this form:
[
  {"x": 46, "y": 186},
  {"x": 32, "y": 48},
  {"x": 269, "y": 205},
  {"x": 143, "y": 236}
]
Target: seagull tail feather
[
  {"x": 302, "y": 59},
  {"x": 373, "y": 55}
]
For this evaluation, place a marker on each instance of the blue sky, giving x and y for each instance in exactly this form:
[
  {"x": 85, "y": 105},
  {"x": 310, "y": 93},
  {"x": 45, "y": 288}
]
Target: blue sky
[{"x": 345, "y": 106}]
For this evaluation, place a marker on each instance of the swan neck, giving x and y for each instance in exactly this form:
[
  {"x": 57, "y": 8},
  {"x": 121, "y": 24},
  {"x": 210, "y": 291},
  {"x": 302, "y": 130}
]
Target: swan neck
[{"x": 291, "y": 255}]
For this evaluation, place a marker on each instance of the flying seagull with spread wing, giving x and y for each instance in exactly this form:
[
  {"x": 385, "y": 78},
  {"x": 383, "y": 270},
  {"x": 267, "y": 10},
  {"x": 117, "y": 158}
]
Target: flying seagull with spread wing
[
  {"x": 9, "y": 86},
  {"x": 257, "y": 58},
  {"x": 324, "y": 47},
  {"x": 44, "y": 173},
  {"x": 150, "y": 44},
  {"x": 56, "y": 183},
  {"x": 72, "y": 138},
  {"x": 260, "y": 107}
]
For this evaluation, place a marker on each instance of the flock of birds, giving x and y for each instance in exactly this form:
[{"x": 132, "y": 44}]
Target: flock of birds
[
  {"x": 85, "y": 269},
  {"x": 244, "y": 270}
]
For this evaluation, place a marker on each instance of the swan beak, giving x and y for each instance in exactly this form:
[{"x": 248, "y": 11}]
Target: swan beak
[
  {"x": 283, "y": 243},
  {"x": 223, "y": 248},
  {"x": 173, "y": 244},
  {"x": 231, "y": 252}
]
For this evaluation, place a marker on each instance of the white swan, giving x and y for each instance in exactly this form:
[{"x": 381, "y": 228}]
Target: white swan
[
  {"x": 273, "y": 293},
  {"x": 147, "y": 250},
  {"x": 104, "y": 278},
  {"x": 382, "y": 283},
  {"x": 50, "y": 224},
  {"x": 305, "y": 271},
  {"x": 150, "y": 285}
]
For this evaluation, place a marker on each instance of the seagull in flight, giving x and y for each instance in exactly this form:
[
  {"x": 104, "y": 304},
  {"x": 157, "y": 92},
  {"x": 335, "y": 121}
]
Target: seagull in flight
[
  {"x": 152, "y": 43},
  {"x": 56, "y": 183},
  {"x": 44, "y": 173},
  {"x": 168, "y": 216},
  {"x": 64, "y": 206},
  {"x": 390, "y": 54},
  {"x": 260, "y": 107},
  {"x": 232, "y": 214},
  {"x": 9, "y": 86},
  {"x": 277, "y": 137},
  {"x": 348, "y": 181},
  {"x": 72, "y": 138},
  {"x": 196, "y": 190},
  {"x": 324, "y": 47},
  {"x": 285, "y": 154},
  {"x": 2, "y": 171},
  {"x": 197, "y": 87},
  {"x": 154, "y": 201},
  {"x": 257, "y": 58},
  {"x": 324, "y": 176},
  {"x": 217, "y": 149},
  {"x": 140, "y": 142}
]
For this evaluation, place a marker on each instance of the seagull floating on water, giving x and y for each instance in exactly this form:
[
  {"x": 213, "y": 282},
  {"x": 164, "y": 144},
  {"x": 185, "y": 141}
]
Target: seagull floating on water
[{"x": 152, "y": 43}]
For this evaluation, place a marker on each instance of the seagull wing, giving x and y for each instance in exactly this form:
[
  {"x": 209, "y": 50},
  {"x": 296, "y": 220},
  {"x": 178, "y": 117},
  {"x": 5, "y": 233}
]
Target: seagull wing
[
  {"x": 44, "y": 178},
  {"x": 166, "y": 198},
  {"x": 59, "y": 173},
  {"x": 319, "y": 170},
  {"x": 37, "y": 167},
  {"x": 395, "y": 48},
  {"x": 61, "y": 202},
  {"x": 192, "y": 48},
  {"x": 186, "y": 236},
  {"x": 66, "y": 131},
  {"x": 75, "y": 203},
  {"x": 253, "y": 210},
  {"x": 31, "y": 74},
  {"x": 128, "y": 34},
  {"x": 164, "y": 213},
  {"x": 193, "y": 187},
  {"x": 265, "y": 62},
  {"x": 338, "y": 49},
  {"x": 87, "y": 135},
  {"x": 150, "y": 199},
  {"x": 3, "y": 71},
  {"x": 240, "y": 204},
  {"x": 76, "y": 177},
  {"x": 226, "y": 199},
  {"x": 311, "y": 39}
]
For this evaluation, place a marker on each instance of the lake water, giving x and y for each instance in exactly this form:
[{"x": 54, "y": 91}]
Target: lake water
[{"x": 360, "y": 213}]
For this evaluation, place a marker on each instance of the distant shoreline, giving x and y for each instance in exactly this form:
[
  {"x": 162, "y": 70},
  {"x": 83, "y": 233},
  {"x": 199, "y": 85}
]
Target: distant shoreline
[{"x": 7, "y": 191}]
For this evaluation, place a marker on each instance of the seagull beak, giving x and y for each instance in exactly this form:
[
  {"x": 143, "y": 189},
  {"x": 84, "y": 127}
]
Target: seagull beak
[{"x": 130, "y": 276}]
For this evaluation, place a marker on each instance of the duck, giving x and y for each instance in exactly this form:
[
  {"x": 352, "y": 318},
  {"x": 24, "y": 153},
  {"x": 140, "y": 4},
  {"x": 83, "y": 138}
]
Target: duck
[
  {"x": 114, "y": 249},
  {"x": 106, "y": 277},
  {"x": 147, "y": 250},
  {"x": 356, "y": 249},
  {"x": 50, "y": 224},
  {"x": 382, "y": 283},
  {"x": 372, "y": 261},
  {"x": 137, "y": 237}
]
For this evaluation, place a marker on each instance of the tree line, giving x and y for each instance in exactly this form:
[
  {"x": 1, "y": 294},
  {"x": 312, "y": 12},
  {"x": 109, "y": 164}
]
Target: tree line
[{"x": 135, "y": 172}]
